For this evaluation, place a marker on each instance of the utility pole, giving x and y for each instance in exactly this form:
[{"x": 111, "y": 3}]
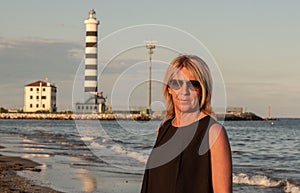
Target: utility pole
[{"x": 150, "y": 46}]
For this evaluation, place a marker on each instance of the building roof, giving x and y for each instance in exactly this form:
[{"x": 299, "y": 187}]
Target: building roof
[{"x": 37, "y": 83}]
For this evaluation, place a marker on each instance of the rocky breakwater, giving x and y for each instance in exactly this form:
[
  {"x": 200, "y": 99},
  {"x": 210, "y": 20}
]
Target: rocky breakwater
[
  {"x": 246, "y": 116},
  {"x": 58, "y": 116},
  {"x": 73, "y": 116}
]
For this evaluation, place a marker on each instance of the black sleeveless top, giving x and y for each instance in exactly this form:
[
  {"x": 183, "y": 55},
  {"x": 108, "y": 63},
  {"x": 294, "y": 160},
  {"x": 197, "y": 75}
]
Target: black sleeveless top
[{"x": 180, "y": 160}]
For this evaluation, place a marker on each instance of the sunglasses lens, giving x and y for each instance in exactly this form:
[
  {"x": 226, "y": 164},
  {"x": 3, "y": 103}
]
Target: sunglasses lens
[
  {"x": 175, "y": 84},
  {"x": 194, "y": 85}
]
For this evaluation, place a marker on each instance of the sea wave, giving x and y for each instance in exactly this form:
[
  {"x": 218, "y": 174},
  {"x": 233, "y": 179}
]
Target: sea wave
[
  {"x": 257, "y": 180},
  {"x": 135, "y": 155},
  {"x": 119, "y": 150}
]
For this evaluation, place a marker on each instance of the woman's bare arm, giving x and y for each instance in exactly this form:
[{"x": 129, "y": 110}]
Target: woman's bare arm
[{"x": 220, "y": 159}]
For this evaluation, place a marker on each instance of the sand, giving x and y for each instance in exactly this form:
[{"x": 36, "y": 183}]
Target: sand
[{"x": 11, "y": 182}]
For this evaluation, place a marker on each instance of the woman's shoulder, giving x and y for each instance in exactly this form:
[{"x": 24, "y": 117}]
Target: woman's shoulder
[
  {"x": 215, "y": 128},
  {"x": 164, "y": 125},
  {"x": 217, "y": 132},
  {"x": 213, "y": 122}
]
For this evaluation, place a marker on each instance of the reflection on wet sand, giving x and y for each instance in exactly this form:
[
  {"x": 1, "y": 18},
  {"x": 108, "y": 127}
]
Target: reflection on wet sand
[
  {"x": 32, "y": 155},
  {"x": 88, "y": 182},
  {"x": 28, "y": 145}
]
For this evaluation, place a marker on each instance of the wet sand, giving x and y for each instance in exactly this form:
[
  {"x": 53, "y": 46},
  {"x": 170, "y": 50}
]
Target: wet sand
[
  {"x": 24, "y": 175},
  {"x": 11, "y": 182}
]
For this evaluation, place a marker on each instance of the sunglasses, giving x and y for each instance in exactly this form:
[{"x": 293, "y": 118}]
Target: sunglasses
[{"x": 191, "y": 84}]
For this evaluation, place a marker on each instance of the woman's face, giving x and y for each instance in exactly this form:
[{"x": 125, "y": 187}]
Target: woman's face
[{"x": 185, "y": 91}]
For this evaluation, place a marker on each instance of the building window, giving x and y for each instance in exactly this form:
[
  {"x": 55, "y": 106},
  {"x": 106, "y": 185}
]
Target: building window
[
  {"x": 31, "y": 89},
  {"x": 43, "y": 105},
  {"x": 91, "y": 107},
  {"x": 43, "y": 97},
  {"x": 37, "y": 97},
  {"x": 95, "y": 107},
  {"x": 37, "y": 89},
  {"x": 44, "y": 89},
  {"x": 37, "y": 105},
  {"x": 30, "y": 105},
  {"x": 31, "y": 97},
  {"x": 87, "y": 107},
  {"x": 78, "y": 107}
]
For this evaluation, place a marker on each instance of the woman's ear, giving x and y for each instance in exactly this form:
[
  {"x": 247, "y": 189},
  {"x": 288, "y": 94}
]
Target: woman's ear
[{"x": 170, "y": 90}]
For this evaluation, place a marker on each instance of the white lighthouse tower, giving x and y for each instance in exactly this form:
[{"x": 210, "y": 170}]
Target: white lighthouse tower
[
  {"x": 91, "y": 53},
  {"x": 94, "y": 101}
]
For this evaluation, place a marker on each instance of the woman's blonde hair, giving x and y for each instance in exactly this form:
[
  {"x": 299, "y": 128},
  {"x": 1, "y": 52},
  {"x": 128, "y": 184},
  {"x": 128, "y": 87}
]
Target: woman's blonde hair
[{"x": 200, "y": 71}]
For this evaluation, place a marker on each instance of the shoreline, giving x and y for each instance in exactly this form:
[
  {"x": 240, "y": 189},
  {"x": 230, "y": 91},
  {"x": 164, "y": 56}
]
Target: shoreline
[
  {"x": 246, "y": 116},
  {"x": 20, "y": 175},
  {"x": 10, "y": 181}
]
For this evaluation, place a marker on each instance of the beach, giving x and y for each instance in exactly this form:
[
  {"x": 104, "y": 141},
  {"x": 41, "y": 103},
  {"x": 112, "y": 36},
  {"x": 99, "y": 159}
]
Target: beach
[
  {"x": 56, "y": 165},
  {"x": 11, "y": 182},
  {"x": 109, "y": 156}
]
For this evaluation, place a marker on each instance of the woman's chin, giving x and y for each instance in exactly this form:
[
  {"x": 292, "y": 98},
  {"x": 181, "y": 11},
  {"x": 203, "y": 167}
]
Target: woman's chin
[{"x": 188, "y": 109}]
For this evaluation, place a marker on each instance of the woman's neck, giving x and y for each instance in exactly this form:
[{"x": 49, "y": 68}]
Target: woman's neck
[{"x": 184, "y": 119}]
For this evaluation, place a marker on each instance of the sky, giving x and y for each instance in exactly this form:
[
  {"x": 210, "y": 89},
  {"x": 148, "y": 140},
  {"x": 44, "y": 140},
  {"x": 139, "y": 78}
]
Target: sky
[{"x": 254, "y": 44}]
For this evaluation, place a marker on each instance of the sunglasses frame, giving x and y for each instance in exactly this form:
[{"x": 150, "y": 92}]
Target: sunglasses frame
[{"x": 177, "y": 84}]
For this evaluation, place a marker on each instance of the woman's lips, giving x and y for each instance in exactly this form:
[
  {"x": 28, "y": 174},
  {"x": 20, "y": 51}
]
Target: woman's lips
[{"x": 184, "y": 101}]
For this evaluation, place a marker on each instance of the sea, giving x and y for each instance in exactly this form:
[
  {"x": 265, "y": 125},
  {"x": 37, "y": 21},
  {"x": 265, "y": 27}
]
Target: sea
[{"x": 110, "y": 156}]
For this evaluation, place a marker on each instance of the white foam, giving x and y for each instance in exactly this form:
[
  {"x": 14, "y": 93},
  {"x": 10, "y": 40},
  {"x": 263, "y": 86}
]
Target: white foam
[
  {"x": 119, "y": 150},
  {"x": 135, "y": 155},
  {"x": 291, "y": 188},
  {"x": 257, "y": 180},
  {"x": 87, "y": 138},
  {"x": 105, "y": 140},
  {"x": 96, "y": 145}
]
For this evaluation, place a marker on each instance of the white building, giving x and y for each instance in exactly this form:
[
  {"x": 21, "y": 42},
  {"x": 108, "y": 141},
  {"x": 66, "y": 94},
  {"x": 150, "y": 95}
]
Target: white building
[
  {"x": 40, "y": 96},
  {"x": 234, "y": 110}
]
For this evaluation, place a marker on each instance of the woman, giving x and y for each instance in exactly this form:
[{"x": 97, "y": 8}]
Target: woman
[{"x": 192, "y": 152}]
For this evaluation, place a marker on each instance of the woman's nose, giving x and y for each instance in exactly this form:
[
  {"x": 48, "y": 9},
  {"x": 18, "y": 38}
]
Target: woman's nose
[{"x": 185, "y": 89}]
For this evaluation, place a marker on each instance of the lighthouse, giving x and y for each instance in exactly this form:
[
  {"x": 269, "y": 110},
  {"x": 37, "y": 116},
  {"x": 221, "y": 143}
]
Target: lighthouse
[
  {"x": 91, "y": 53},
  {"x": 94, "y": 102}
]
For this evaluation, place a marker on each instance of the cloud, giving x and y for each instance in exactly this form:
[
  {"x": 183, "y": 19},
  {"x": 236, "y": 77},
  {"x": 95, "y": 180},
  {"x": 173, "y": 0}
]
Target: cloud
[
  {"x": 37, "y": 58},
  {"x": 258, "y": 95},
  {"x": 76, "y": 53},
  {"x": 7, "y": 44},
  {"x": 26, "y": 60}
]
